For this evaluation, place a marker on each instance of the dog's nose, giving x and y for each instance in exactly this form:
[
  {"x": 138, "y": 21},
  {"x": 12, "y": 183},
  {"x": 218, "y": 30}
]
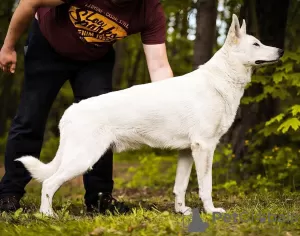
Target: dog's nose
[{"x": 280, "y": 52}]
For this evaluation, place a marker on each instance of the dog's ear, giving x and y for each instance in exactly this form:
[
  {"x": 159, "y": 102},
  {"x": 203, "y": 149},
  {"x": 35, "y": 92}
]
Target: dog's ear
[
  {"x": 243, "y": 27},
  {"x": 234, "y": 33}
]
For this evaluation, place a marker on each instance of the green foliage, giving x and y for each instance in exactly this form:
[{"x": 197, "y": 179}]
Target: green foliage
[
  {"x": 285, "y": 121},
  {"x": 280, "y": 163},
  {"x": 49, "y": 149},
  {"x": 153, "y": 171}
]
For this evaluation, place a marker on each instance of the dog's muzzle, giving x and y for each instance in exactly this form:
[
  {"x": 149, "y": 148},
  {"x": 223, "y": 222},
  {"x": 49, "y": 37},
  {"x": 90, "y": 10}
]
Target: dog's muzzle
[{"x": 280, "y": 54}]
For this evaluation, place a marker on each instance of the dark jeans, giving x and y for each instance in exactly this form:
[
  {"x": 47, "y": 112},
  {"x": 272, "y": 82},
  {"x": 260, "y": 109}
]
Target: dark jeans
[{"x": 45, "y": 73}]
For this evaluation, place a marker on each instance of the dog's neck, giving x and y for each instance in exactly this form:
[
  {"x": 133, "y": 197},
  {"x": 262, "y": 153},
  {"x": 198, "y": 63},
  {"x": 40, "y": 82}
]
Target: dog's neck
[
  {"x": 229, "y": 78},
  {"x": 229, "y": 69}
]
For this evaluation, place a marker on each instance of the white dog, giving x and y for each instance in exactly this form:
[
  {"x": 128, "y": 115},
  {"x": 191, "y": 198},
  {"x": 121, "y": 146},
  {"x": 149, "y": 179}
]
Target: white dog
[{"x": 189, "y": 113}]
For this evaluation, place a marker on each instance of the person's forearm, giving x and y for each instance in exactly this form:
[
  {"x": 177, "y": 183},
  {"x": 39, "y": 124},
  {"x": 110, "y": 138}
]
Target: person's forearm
[
  {"x": 161, "y": 74},
  {"x": 23, "y": 14},
  {"x": 21, "y": 18}
]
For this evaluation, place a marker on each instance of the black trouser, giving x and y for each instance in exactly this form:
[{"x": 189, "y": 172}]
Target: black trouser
[{"x": 45, "y": 73}]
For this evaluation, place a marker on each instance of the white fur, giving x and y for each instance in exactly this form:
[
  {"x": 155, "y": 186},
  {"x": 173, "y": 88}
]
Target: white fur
[{"x": 189, "y": 113}]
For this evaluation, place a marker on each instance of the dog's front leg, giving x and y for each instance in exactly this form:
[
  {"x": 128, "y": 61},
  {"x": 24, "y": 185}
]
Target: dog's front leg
[
  {"x": 203, "y": 157},
  {"x": 183, "y": 172}
]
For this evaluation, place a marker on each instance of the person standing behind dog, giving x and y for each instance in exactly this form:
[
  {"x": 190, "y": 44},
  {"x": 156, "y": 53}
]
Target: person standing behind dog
[{"x": 72, "y": 40}]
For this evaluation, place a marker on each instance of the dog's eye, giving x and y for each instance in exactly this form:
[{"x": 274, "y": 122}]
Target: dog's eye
[{"x": 256, "y": 44}]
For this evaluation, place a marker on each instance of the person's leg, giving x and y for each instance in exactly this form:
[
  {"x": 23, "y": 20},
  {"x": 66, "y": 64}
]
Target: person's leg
[
  {"x": 45, "y": 73},
  {"x": 93, "y": 79}
]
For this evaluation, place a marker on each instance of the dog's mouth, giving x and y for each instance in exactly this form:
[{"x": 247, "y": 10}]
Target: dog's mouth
[{"x": 259, "y": 62}]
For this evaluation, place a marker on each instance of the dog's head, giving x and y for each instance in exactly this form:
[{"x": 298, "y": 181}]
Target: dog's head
[{"x": 247, "y": 49}]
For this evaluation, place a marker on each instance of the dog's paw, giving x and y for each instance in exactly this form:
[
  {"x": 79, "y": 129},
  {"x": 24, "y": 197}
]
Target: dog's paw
[
  {"x": 216, "y": 210},
  {"x": 48, "y": 213},
  {"x": 184, "y": 210}
]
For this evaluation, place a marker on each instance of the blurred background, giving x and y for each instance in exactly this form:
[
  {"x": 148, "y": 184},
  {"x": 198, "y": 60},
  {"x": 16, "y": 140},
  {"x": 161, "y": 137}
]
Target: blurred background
[{"x": 261, "y": 150}]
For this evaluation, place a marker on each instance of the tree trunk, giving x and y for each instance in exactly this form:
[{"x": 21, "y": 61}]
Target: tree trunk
[
  {"x": 184, "y": 24},
  {"x": 205, "y": 31}
]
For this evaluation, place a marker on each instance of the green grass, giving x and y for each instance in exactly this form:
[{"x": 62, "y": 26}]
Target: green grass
[{"x": 153, "y": 215}]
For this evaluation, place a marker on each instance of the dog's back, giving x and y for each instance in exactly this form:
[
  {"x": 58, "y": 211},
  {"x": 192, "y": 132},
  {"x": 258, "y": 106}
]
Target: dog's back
[{"x": 163, "y": 114}]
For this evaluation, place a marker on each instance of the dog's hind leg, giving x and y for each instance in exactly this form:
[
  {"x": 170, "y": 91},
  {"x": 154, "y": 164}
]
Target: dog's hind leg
[
  {"x": 75, "y": 162},
  {"x": 203, "y": 157},
  {"x": 183, "y": 172}
]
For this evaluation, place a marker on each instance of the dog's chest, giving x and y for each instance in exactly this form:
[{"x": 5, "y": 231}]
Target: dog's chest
[
  {"x": 229, "y": 103},
  {"x": 225, "y": 123},
  {"x": 226, "y": 118}
]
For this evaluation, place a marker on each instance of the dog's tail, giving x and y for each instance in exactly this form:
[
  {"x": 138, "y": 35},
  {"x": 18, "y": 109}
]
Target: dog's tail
[{"x": 39, "y": 170}]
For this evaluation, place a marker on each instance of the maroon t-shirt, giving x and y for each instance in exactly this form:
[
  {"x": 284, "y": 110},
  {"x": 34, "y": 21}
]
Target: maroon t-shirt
[{"x": 86, "y": 29}]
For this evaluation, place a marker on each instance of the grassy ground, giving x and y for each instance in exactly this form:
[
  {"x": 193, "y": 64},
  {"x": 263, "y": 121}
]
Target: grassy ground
[{"x": 153, "y": 214}]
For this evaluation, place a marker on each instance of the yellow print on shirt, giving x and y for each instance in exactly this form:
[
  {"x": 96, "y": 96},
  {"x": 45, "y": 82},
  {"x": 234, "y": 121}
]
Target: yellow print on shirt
[{"x": 94, "y": 27}]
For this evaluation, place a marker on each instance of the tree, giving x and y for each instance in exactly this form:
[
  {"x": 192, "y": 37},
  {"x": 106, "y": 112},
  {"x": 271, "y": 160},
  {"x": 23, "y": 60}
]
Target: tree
[{"x": 205, "y": 31}]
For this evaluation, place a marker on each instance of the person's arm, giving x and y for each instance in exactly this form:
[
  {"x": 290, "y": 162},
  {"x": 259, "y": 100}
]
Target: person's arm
[
  {"x": 20, "y": 20},
  {"x": 157, "y": 61},
  {"x": 153, "y": 39}
]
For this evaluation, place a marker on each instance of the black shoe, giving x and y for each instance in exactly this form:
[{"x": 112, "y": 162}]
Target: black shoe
[
  {"x": 9, "y": 204},
  {"x": 106, "y": 203}
]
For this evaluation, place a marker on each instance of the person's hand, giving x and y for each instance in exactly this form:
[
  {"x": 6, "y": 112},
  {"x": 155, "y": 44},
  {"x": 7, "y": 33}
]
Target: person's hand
[{"x": 8, "y": 59}]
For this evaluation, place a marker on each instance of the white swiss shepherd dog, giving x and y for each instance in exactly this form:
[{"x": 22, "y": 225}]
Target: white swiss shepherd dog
[{"x": 189, "y": 113}]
